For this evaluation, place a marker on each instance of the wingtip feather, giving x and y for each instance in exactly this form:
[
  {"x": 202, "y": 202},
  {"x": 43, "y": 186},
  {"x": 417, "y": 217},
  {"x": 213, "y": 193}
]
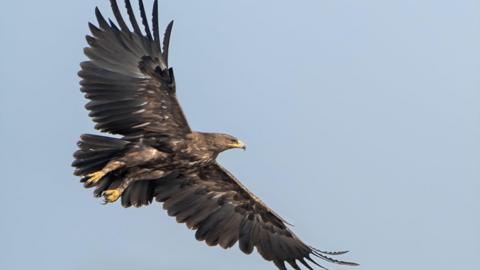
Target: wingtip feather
[
  {"x": 145, "y": 20},
  {"x": 101, "y": 20},
  {"x": 118, "y": 16},
  {"x": 166, "y": 41},
  {"x": 133, "y": 20},
  {"x": 156, "y": 32}
]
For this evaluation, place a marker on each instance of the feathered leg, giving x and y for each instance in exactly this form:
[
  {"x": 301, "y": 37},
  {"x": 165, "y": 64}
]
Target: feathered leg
[
  {"x": 110, "y": 167},
  {"x": 111, "y": 195},
  {"x": 137, "y": 156}
]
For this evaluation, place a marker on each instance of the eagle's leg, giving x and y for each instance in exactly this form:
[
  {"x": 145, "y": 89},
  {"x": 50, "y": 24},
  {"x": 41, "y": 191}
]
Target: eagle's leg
[
  {"x": 110, "y": 167},
  {"x": 140, "y": 155},
  {"x": 111, "y": 195}
]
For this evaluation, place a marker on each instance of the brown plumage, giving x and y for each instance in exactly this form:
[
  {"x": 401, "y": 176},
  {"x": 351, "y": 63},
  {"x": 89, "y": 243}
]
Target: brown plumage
[{"x": 132, "y": 93}]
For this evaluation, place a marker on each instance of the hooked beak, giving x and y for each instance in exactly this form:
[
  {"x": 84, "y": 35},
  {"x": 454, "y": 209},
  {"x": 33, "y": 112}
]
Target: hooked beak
[{"x": 241, "y": 145}]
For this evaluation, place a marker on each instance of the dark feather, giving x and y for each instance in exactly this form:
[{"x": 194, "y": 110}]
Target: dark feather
[
  {"x": 133, "y": 20},
  {"x": 166, "y": 41},
  {"x": 328, "y": 259},
  {"x": 167, "y": 188},
  {"x": 264, "y": 246},
  {"x": 213, "y": 235},
  {"x": 95, "y": 151},
  {"x": 155, "y": 28},
  {"x": 118, "y": 16},
  {"x": 294, "y": 265},
  {"x": 101, "y": 186},
  {"x": 230, "y": 233},
  {"x": 245, "y": 242},
  {"x": 145, "y": 20},
  {"x": 334, "y": 253},
  {"x": 209, "y": 224},
  {"x": 305, "y": 263},
  {"x": 280, "y": 264},
  {"x": 101, "y": 20},
  {"x": 190, "y": 207},
  {"x": 126, "y": 196},
  {"x": 206, "y": 210},
  {"x": 174, "y": 204}
]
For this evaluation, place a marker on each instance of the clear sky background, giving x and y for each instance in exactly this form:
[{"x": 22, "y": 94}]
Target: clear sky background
[{"x": 361, "y": 119}]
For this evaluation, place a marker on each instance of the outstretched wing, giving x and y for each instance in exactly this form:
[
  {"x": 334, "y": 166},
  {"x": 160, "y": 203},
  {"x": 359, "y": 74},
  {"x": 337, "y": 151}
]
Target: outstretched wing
[
  {"x": 222, "y": 211},
  {"x": 127, "y": 79}
]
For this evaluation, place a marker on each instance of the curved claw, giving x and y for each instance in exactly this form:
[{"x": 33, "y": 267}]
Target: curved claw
[
  {"x": 111, "y": 195},
  {"x": 94, "y": 178}
]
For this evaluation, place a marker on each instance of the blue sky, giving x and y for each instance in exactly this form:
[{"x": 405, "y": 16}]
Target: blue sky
[{"x": 361, "y": 119}]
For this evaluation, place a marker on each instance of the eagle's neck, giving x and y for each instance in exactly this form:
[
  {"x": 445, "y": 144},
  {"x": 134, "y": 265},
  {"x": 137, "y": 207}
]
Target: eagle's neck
[{"x": 200, "y": 148}]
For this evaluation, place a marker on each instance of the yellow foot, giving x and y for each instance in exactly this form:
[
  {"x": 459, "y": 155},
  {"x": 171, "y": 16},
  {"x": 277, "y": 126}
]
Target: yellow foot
[
  {"x": 94, "y": 178},
  {"x": 111, "y": 195}
]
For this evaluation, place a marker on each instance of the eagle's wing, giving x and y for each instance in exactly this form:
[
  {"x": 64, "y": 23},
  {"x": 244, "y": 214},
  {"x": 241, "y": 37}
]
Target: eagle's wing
[
  {"x": 127, "y": 79},
  {"x": 211, "y": 201}
]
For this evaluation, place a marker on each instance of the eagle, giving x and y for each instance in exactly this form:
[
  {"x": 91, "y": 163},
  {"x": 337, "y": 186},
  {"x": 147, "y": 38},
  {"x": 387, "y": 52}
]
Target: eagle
[{"x": 157, "y": 157}]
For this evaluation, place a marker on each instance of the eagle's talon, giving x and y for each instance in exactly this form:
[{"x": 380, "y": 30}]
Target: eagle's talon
[
  {"x": 94, "y": 178},
  {"x": 111, "y": 195}
]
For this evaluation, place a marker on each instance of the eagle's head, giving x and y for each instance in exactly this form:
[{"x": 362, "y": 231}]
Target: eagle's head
[
  {"x": 219, "y": 142},
  {"x": 226, "y": 142}
]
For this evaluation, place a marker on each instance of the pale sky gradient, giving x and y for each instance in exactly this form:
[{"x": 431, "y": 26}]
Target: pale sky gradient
[{"x": 362, "y": 119}]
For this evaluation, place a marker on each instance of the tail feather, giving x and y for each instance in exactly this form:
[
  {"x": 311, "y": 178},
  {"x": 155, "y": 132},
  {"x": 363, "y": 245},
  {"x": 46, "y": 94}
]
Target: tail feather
[
  {"x": 87, "y": 158},
  {"x": 99, "y": 141},
  {"x": 95, "y": 152}
]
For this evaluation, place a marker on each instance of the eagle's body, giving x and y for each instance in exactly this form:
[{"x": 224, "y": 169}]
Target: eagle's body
[
  {"x": 132, "y": 93},
  {"x": 148, "y": 158}
]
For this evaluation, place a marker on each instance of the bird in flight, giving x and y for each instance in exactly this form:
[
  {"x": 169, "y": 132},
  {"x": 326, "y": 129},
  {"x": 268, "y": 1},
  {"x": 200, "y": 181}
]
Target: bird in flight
[{"x": 131, "y": 93}]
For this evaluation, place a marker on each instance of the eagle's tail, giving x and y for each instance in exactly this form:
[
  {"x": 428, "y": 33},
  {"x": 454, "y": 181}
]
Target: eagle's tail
[{"x": 95, "y": 152}]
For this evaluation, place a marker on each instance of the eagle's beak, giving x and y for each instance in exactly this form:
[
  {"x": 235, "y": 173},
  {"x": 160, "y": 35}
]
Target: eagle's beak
[{"x": 241, "y": 145}]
